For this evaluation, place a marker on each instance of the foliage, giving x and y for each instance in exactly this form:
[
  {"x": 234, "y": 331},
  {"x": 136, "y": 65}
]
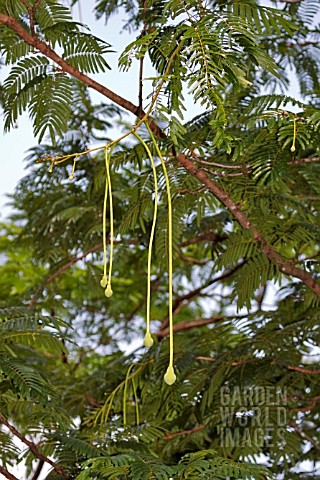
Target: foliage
[{"x": 245, "y": 213}]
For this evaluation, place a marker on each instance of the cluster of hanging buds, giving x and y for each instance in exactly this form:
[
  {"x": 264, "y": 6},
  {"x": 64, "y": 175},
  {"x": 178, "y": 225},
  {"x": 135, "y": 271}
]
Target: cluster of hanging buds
[
  {"x": 106, "y": 280},
  {"x": 170, "y": 376}
]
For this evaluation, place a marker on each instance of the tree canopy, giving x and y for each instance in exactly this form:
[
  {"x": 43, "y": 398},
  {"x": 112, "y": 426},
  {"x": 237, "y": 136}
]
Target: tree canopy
[{"x": 199, "y": 234}]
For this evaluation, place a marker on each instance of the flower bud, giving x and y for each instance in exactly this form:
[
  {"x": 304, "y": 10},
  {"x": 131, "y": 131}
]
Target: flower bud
[
  {"x": 170, "y": 376},
  {"x": 148, "y": 340},
  {"x": 104, "y": 281},
  {"x": 108, "y": 291}
]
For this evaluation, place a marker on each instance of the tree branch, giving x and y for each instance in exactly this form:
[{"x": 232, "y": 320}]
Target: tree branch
[
  {"x": 305, "y": 436},
  {"x": 207, "y": 235},
  {"x": 304, "y": 370},
  {"x": 74, "y": 260},
  {"x": 46, "y": 50},
  {"x": 301, "y": 44},
  {"x": 284, "y": 266},
  {"x": 180, "y": 301},
  {"x": 38, "y": 470},
  {"x": 194, "y": 261},
  {"x": 7, "y": 474},
  {"x": 33, "y": 447},
  {"x": 169, "y": 436},
  {"x": 62, "y": 270},
  {"x": 301, "y": 161},
  {"x": 164, "y": 332},
  {"x": 307, "y": 408}
]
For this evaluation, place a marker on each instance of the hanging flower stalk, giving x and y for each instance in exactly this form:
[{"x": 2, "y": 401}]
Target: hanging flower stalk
[
  {"x": 71, "y": 176},
  {"x": 169, "y": 376},
  {"x": 148, "y": 340},
  {"x": 106, "y": 280},
  {"x": 293, "y": 147}
]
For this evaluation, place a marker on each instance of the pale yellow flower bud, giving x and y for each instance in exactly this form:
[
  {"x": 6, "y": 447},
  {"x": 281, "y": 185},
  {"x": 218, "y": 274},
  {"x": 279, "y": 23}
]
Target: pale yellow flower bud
[
  {"x": 71, "y": 176},
  {"x": 148, "y": 340},
  {"x": 170, "y": 376},
  {"x": 108, "y": 291},
  {"x": 104, "y": 281}
]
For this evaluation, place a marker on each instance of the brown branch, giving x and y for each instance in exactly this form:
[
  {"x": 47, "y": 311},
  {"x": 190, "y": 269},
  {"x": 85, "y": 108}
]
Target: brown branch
[
  {"x": 305, "y": 436},
  {"x": 31, "y": 12},
  {"x": 248, "y": 167},
  {"x": 61, "y": 270},
  {"x": 179, "y": 302},
  {"x": 46, "y": 50},
  {"x": 301, "y": 44},
  {"x": 33, "y": 447},
  {"x": 301, "y": 161},
  {"x": 284, "y": 266},
  {"x": 307, "y": 408},
  {"x": 194, "y": 261},
  {"x": 304, "y": 370},
  {"x": 74, "y": 260},
  {"x": 7, "y": 474},
  {"x": 208, "y": 235},
  {"x": 164, "y": 332},
  {"x": 169, "y": 436},
  {"x": 222, "y": 165},
  {"x": 191, "y": 192},
  {"x": 38, "y": 470}
]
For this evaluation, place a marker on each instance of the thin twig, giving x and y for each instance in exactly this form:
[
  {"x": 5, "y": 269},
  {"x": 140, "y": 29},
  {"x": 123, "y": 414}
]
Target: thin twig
[
  {"x": 38, "y": 470},
  {"x": 222, "y": 165},
  {"x": 301, "y": 161},
  {"x": 61, "y": 270},
  {"x": 200, "y": 322},
  {"x": 192, "y": 192},
  {"x": 33, "y": 447},
  {"x": 208, "y": 235},
  {"x": 194, "y": 261},
  {"x": 141, "y": 62},
  {"x": 169, "y": 436},
  {"x": 7, "y": 474},
  {"x": 310, "y": 406},
  {"x": 304, "y": 370},
  {"x": 305, "y": 436},
  {"x": 182, "y": 300}
]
